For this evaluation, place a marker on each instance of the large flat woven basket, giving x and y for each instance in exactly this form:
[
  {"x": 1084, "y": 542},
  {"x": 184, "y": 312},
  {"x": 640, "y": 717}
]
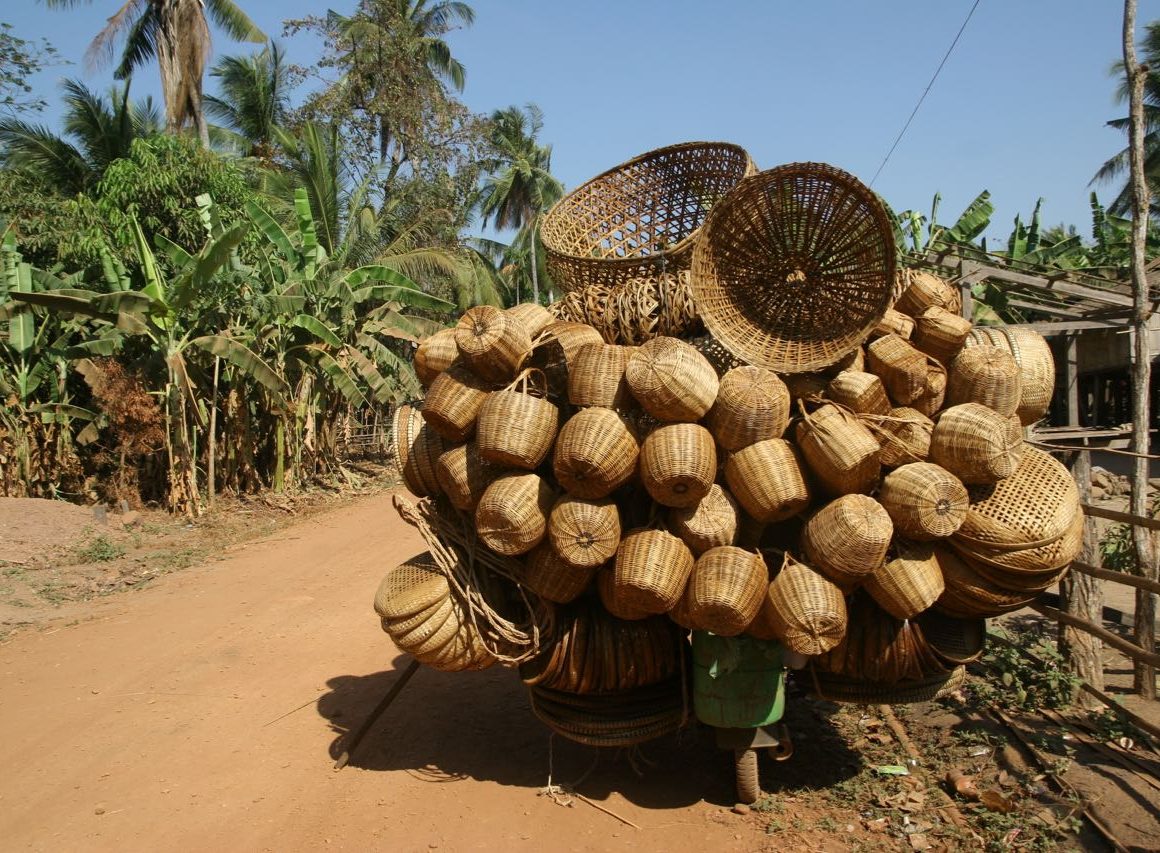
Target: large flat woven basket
[
  {"x": 795, "y": 267},
  {"x": 640, "y": 218}
]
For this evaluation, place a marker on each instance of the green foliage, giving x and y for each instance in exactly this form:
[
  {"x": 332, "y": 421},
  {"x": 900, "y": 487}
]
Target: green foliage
[
  {"x": 52, "y": 230},
  {"x": 19, "y": 60},
  {"x": 1040, "y": 679},
  {"x": 100, "y": 549}
]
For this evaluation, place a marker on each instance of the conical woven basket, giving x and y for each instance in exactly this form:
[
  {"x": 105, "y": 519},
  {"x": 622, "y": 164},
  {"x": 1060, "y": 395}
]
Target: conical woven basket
[
  {"x": 879, "y": 648},
  {"x": 977, "y": 444},
  {"x": 968, "y": 594},
  {"x": 678, "y": 464},
  {"x": 512, "y": 515},
  {"x": 860, "y": 392},
  {"x": 901, "y": 367},
  {"x": 766, "y": 479},
  {"x": 711, "y": 523},
  {"x": 464, "y": 475},
  {"x": 453, "y": 402},
  {"x": 894, "y": 323},
  {"x": 417, "y": 451},
  {"x": 795, "y": 267},
  {"x": 535, "y": 318},
  {"x": 435, "y": 354},
  {"x": 652, "y": 568},
  {"x": 940, "y": 334},
  {"x": 925, "y": 501},
  {"x": 726, "y": 590},
  {"x": 671, "y": 380},
  {"x": 641, "y": 217},
  {"x": 839, "y": 449},
  {"x": 584, "y": 533},
  {"x": 1036, "y": 365},
  {"x": 904, "y": 435},
  {"x": 847, "y": 539},
  {"x": 920, "y": 290},
  {"x": 595, "y": 454},
  {"x": 808, "y": 611},
  {"x": 985, "y": 375},
  {"x": 517, "y": 425},
  {"x": 553, "y": 578},
  {"x": 752, "y": 405},
  {"x": 908, "y": 584},
  {"x": 597, "y": 377},
  {"x": 493, "y": 344}
]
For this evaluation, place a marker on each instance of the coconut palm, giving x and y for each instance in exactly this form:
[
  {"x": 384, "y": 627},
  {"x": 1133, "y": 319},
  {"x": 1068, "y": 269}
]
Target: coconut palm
[
  {"x": 176, "y": 33},
  {"x": 254, "y": 100}
]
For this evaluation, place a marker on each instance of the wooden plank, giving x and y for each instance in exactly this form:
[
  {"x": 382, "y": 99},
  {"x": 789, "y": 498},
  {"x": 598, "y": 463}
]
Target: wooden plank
[
  {"x": 1072, "y": 288},
  {"x": 1130, "y": 650},
  {"x": 1071, "y": 368},
  {"x": 1122, "y": 517},
  {"x": 1049, "y": 329},
  {"x": 1117, "y": 577}
]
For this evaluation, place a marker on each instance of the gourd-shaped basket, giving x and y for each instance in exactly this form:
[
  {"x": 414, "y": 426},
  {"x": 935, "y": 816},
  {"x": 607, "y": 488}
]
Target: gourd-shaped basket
[
  {"x": 908, "y": 584},
  {"x": 795, "y": 267},
  {"x": 808, "y": 611},
  {"x": 641, "y": 217},
  {"x": 553, "y": 578}
]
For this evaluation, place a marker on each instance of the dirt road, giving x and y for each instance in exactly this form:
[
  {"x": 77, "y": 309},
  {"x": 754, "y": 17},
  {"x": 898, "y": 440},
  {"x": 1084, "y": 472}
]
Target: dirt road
[{"x": 203, "y": 713}]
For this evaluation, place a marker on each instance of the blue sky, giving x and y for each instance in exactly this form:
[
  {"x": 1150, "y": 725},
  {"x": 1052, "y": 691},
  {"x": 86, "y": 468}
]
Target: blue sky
[{"x": 1019, "y": 108}]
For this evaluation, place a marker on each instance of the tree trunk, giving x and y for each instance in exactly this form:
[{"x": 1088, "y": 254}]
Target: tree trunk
[
  {"x": 1145, "y": 677},
  {"x": 182, "y": 45},
  {"x": 211, "y": 463},
  {"x": 535, "y": 272},
  {"x": 1083, "y": 596}
]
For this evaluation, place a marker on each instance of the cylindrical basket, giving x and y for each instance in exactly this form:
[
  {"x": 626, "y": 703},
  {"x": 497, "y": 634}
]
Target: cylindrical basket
[
  {"x": 535, "y": 317},
  {"x": 940, "y": 334},
  {"x": 752, "y": 405},
  {"x": 671, "y": 380},
  {"x": 435, "y": 354},
  {"x": 596, "y": 377},
  {"x": 713, "y": 522},
  {"x": 985, "y": 375},
  {"x": 908, "y": 584},
  {"x": 860, "y": 392},
  {"x": 453, "y": 402},
  {"x": 464, "y": 475},
  {"x": 595, "y": 454},
  {"x": 766, "y": 479},
  {"x": 808, "y": 612},
  {"x": 925, "y": 501},
  {"x": 847, "y": 539},
  {"x": 901, "y": 367},
  {"x": 726, "y": 590},
  {"x": 904, "y": 435},
  {"x": 1036, "y": 365},
  {"x": 652, "y": 568},
  {"x": 493, "y": 344},
  {"x": 584, "y": 533},
  {"x": 678, "y": 464},
  {"x": 512, "y": 515},
  {"x": 921, "y": 290},
  {"x": 894, "y": 323},
  {"x": 553, "y": 578},
  {"x": 839, "y": 449},
  {"x": 517, "y": 425},
  {"x": 976, "y": 443}
]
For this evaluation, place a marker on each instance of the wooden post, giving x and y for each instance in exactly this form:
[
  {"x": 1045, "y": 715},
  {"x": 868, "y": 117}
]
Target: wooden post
[
  {"x": 1072, "y": 379},
  {"x": 1083, "y": 596},
  {"x": 1145, "y": 678}
]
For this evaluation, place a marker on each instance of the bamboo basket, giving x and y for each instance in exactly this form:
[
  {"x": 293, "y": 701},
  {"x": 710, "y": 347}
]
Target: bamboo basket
[
  {"x": 464, "y": 475},
  {"x": 894, "y": 323},
  {"x": 881, "y": 649},
  {"x": 752, "y": 405},
  {"x": 985, "y": 375},
  {"x": 909, "y": 583},
  {"x": 976, "y": 444},
  {"x": 517, "y": 425},
  {"x": 711, "y": 523},
  {"x": 641, "y": 217},
  {"x": 554, "y": 352},
  {"x": 611, "y": 600},
  {"x": 652, "y": 568},
  {"x": 553, "y": 578},
  {"x": 931, "y": 400},
  {"x": 512, "y": 515},
  {"x": 584, "y": 533},
  {"x": 968, "y": 594},
  {"x": 435, "y": 354},
  {"x": 453, "y": 403},
  {"x": 412, "y": 588},
  {"x": 764, "y": 624},
  {"x": 535, "y": 318},
  {"x": 795, "y": 267},
  {"x": 595, "y": 454},
  {"x": 597, "y": 377},
  {"x": 417, "y": 451},
  {"x": 860, "y": 392},
  {"x": 924, "y": 500},
  {"x": 493, "y": 344},
  {"x": 904, "y": 435},
  {"x": 954, "y": 641},
  {"x": 839, "y": 449},
  {"x": 1036, "y": 365},
  {"x": 920, "y": 290},
  {"x": 766, "y": 479},
  {"x": 671, "y": 380},
  {"x": 847, "y": 539},
  {"x": 636, "y": 311},
  {"x": 678, "y": 464},
  {"x": 940, "y": 334},
  {"x": 726, "y": 590},
  {"x": 808, "y": 612},
  {"x": 901, "y": 367}
]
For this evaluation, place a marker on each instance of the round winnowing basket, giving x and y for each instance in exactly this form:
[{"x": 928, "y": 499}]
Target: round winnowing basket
[
  {"x": 641, "y": 217},
  {"x": 795, "y": 267}
]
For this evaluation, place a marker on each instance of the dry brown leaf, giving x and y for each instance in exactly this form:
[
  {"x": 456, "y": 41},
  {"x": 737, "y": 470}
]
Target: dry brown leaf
[
  {"x": 996, "y": 802},
  {"x": 962, "y": 784}
]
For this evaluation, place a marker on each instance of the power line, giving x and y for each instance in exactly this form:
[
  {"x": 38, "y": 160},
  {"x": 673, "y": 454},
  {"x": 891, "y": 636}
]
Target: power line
[{"x": 925, "y": 92}]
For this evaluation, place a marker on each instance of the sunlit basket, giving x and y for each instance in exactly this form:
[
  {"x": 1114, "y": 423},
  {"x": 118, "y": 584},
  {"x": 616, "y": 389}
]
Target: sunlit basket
[
  {"x": 596, "y": 377},
  {"x": 726, "y": 590},
  {"x": 795, "y": 267},
  {"x": 417, "y": 451},
  {"x": 678, "y": 464},
  {"x": 512, "y": 514},
  {"x": 908, "y": 584},
  {"x": 920, "y": 290},
  {"x": 464, "y": 475},
  {"x": 839, "y": 449},
  {"x": 860, "y": 392},
  {"x": 940, "y": 334},
  {"x": 766, "y": 479},
  {"x": 453, "y": 402},
  {"x": 652, "y": 568},
  {"x": 492, "y": 343},
  {"x": 1035, "y": 567},
  {"x": 985, "y": 375},
  {"x": 931, "y": 400},
  {"x": 847, "y": 539},
  {"x": 584, "y": 533},
  {"x": 894, "y": 323},
  {"x": 752, "y": 405},
  {"x": 904, "y": 435},
  {"x": 435, "y": 354},
  {"x": 904, "y": 370},
  {"x": 595, "y": 454},
  {"x": 712, "y": 522},
  {"x": 535, "y": 317},
  {"x": 413, "y": 587},
  {"x": 969, "y": 594},
  {"x": 641, "y": 217},
  {"x": 808, "y": 611},
  {"x": 671, "y": 380},
  {"x": 925, "y": 501},
  {"x": 636, "y": 311},
  {"x": 1036, "y": 365},
  {"x": 553, "y": 578},
  {"x": 517, "y": 425},
  {"x": 977, "y": 444}
]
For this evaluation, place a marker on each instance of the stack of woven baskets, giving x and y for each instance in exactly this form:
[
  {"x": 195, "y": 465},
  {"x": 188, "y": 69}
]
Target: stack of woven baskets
[{"x": 839, "y": 466}]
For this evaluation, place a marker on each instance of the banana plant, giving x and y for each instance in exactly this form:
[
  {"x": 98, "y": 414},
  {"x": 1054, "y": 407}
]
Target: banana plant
[{"x": 921, "y": 234}]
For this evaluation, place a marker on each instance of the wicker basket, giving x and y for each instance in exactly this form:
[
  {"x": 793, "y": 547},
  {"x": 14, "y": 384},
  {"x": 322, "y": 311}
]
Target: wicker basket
[
  {"x": 902, "y": 368},
  {"x": 930, "y": 401},
  {"x": 752, "y": 405},
  {"x": 622, "y": 719},
  {"x": 553, "y": 578},
  {"x": 678, "y": 464},
  {"x": 795, "y": 267},
  {"x": 925, "y": 501},
  {"x": 808, "y": 612},
  {"x": 535, "y": 318},
  {"x": 847, "y": 539},
  {"x": 435, "y": 354},
  {"x": 417, "y": 451},
  {"x": 652, "y": 568},
  {"x": 894, "y": 323},
  {"x": 516, "y": 425},
  {"x": 1036, "y": 365},
  {"x": 610, "y": 597},
  {"x": 766, "y": 479},
  {"x": 671, "y": 380},
  {"x": 584, "y": 533},
  {"x": 920, "y": 290},
  {"x": 839, "y": 449},
  {"x": 855, "y": 691},
  {"x": 976, "y": 444},
  {"x": 595, "y": 454},
  {"x": 493, "y": 344},
  {"x": 453, "y": 403},
  {"x": 908, "y": 584},
  {"x": 985, "y": 375},
  {"x": 940, "y": 334},
  {"x": 464, "y": 475},
  {"x": 904, "y": 435},
  {"x": 954, "y": 641},
  {"x": 640, "y": 218},
  {"x": 711, "y": 523},
  {"x": 726, "y": 590},
  {"x": 880, "y": 649},
  {"x": 413, "y": 587},
  {"x": 554, "y": 352},
  {"x": 596, "y": 377},
  {"x": 636, "y": 311},
  {"x": 860, "y": 392},
  {"x": 968, "y": 594},
  {"x": 512, "y": 515}
]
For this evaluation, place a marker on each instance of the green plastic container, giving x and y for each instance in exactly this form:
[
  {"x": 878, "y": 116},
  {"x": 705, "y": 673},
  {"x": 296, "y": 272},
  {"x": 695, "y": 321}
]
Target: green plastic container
[{"x": 738, "y": 682}]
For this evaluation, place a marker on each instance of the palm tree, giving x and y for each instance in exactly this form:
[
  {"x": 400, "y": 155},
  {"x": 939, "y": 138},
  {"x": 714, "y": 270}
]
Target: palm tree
[
  {"x": 521, "y": 187},
  {"x": 98, "y": 129},
  {"x": 254, "y": 100},
  {"x": 176, "y": 33}
]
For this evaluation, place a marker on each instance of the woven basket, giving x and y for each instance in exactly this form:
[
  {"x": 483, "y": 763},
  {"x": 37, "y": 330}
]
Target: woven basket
[
  {"x": 839, "y": 449},
  {"x": 636, "y": 311},
  {"x": 1027, "y": 569},
  {"x": 976, "y": 444},
  {"x": 847, "y": 539},
  {"x": 860, "y": 392},
  {"x": 920, "y": 290},
  {"x": 854, "y": 691},
  {"x": 985, "y": 375},
  {"x": 493, "y": 344},
  {"x": 908, "y": 584},
  {"x": 1036, "y": 365},
  {"x": 595, "y": 454},
  {"x": 904, "y": 435},
  {"x": 766, "y": 479},
  {"x": 969, "y": 594},
  {"x": 678, "y": 464},
  {"x": 901, "y": 367},
  {"x": 516, "y": 425},
  {"x": 413, "y": 587},
  {"x": 435, "y": 354},
  {"x": 610, "y": 597},
  {"x": 535, "y": 318},
  {"x": 808, "y": 612},
  {"x": 722, "y": 360},
  {"x": 894, "y": 323},
  {"x": 596, "y": 377},
  {"x": 764, "y": 624},
  {"x": 417, "y": 451},
  {"x": 925, "y": 501},
  {"x": 553, "y": 578},
  {"x": 954, "y": 641},
  {"x": 795, "y": 267},
  {"x": 554, "y": 352},
  {"x": 464, "y": 475},
  {"x": 930, "y": 401},
  {"x": 711, "y": 523},
  {"x": 752, "y": 405},
  {"x": 453, "y": 402},
  {"x": 512, "y": 515},
  {"x": 671, "y": 380},
  {"x": 879, "y": 648},
  {"x": 726, "y": 590},
  {"x": 584, "y": 533},
  {"x": 855, "y": 361},
  {"x": 940, "y": 334},
  {"x": 652, "y": 568},
  {"x": 641, "y": 217},
  {"x": 621, "y": 719}
]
